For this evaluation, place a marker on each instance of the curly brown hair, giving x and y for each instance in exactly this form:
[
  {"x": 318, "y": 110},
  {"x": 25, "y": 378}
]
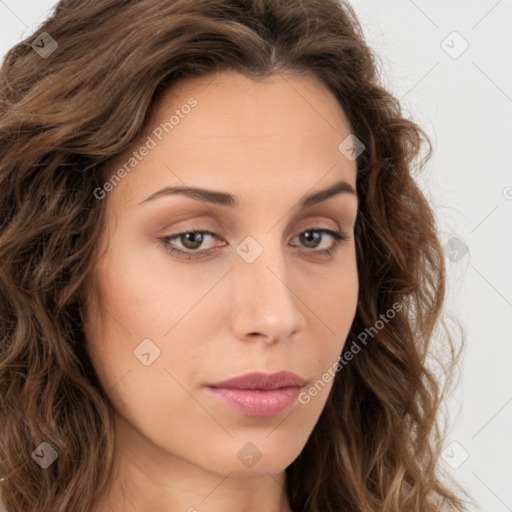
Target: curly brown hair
[{"x": 64, "y": 117}]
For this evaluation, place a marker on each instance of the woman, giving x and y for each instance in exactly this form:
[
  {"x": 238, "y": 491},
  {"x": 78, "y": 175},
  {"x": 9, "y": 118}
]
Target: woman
[{"x": 219, "y": 278}]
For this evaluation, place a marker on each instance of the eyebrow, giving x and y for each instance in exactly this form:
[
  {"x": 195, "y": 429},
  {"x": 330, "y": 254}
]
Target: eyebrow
[{"x": 225, "y": 199}]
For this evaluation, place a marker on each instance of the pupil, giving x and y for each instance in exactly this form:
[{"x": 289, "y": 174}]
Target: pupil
[
  {"x": 191, "y": 237},
  {"x": 311, "y": 236}
]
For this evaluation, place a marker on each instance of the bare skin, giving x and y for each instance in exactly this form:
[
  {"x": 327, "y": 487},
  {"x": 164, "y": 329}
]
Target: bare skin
[{"x": 218, "y": 316}]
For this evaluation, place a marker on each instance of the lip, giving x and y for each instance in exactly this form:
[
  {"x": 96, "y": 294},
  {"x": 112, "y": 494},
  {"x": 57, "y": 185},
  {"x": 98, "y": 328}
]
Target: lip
[
  {"x": 262, "y": 381},
  {"x": 259, "y": 394}
]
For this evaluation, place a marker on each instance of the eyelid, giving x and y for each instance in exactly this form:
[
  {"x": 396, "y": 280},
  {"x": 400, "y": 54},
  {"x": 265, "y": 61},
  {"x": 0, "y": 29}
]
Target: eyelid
[{"x": 337, "y": 235}]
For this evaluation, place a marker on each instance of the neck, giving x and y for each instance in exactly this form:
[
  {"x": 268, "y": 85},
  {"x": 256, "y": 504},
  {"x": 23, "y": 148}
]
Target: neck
[{"x": 147, "y": 479}]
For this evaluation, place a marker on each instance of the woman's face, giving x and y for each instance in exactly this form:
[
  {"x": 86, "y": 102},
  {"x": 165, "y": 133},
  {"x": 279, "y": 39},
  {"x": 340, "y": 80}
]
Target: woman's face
[{"x": 252, "y": 290}]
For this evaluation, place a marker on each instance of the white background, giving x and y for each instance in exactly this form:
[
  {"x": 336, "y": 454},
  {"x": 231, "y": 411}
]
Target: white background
[{"x": 465, "y": 105}]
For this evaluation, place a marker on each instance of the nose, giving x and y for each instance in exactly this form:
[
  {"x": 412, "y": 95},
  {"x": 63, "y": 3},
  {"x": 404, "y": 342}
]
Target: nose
[{"x": 267, "y": 307}]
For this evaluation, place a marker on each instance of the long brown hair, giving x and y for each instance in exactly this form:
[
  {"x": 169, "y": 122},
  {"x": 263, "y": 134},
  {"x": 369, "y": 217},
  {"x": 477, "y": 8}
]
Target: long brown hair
[{"x": 68, "y": 107}]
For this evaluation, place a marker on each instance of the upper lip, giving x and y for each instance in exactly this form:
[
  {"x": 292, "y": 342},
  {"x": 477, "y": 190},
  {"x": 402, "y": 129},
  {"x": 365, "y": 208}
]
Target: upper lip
[{"x": 264, "y": 381}]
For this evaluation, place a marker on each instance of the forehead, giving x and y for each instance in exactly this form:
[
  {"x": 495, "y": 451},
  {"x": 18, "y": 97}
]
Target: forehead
[
  {"x": 273, "y": 131},
  {"x": 259, "y": 108}
]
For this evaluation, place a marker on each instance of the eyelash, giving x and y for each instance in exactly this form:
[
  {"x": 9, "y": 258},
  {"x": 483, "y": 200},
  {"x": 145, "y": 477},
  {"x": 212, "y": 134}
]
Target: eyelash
[{"x": 338, "y": 237}]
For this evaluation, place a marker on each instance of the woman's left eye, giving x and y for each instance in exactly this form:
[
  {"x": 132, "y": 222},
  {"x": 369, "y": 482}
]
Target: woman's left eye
[{"x": 191, "y": 240}]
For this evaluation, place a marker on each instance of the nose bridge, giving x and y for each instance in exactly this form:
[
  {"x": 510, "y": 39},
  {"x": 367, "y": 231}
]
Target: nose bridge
[{"x": 266, "y": 302}]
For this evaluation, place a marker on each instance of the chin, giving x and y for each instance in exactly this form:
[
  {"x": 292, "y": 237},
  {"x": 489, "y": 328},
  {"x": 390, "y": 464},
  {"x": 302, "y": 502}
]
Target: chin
[{"x": 243, "y": 458}]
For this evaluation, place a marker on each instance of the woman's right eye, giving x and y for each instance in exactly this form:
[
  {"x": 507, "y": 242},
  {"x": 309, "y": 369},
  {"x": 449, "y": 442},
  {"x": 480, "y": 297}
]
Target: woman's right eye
[{"x": 195, "y": 240}]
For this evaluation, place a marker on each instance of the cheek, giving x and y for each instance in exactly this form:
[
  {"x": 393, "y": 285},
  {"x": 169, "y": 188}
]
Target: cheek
[
  {"x": 144, "y": 293},
  {"x": 184, "y": 315},
  {"x": 332, "y": 312},
  {"x": 332, "y": 299},
  {"x": 144, "y": 313}
]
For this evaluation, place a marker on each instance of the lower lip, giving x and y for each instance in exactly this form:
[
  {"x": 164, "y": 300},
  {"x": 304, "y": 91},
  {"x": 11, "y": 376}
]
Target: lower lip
[{"x": 257, "y": 402}]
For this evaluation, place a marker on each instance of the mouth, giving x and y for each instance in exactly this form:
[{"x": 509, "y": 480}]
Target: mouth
[{"x": 259, "y": 394}]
